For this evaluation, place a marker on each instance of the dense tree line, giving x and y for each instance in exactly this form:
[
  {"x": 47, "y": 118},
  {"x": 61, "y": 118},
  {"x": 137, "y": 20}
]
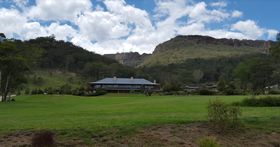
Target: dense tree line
[{"x": 196, "y": 70}]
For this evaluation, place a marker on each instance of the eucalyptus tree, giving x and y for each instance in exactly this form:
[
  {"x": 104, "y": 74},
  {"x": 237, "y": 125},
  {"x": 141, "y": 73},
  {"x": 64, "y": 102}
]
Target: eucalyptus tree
[{"x": 16, "y": 59}]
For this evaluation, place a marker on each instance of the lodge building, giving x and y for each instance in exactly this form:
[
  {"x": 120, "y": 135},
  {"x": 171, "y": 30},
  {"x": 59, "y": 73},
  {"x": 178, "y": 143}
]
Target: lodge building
[{"x": 125, "y": 84}]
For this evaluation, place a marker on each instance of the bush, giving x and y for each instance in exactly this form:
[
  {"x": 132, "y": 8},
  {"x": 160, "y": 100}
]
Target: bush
[
  {"x": 49, "y": 90},
  {"x": 27, "y": 91},
  {"x": 222, "y": 116},
  {"x": 38, "y": 81},
  {"x": 66, "y": 89},
  {"x": 260, "y": 102},
  {"x": 274, "y": 92},
  {"x": 169, "y": 87},
  {"x": 88, "y": 92},
  {"x": 208, "y": 142},
  {"x": 43, "y": 139},
  {"x": 205, "y": 92},
  {"x": 99, "y": 92},
  {"x": 37, "y": 91}
]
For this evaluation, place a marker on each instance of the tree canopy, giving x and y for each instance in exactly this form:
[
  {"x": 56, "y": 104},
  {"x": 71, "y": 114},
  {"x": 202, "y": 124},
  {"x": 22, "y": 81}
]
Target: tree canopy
[
  {"x": 16, "y": 59},
  {"x": 255, "y": 74}
]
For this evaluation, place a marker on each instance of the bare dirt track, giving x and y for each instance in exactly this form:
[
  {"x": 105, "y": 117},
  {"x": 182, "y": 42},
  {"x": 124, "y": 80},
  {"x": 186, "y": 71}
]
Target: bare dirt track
[{"x": 164, "y": 135}]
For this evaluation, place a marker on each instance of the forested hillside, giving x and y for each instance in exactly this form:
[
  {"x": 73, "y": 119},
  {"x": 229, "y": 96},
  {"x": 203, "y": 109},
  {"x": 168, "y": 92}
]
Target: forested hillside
[{"x": 62, "y": 63}]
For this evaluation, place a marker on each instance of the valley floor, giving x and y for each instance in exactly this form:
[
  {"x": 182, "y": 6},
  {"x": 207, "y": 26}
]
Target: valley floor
[{"x": 121, "y": 119}]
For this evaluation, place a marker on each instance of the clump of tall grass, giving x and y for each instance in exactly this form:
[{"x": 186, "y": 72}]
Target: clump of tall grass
[
  {"x": 224, "y": 117},
  {"x": 208, "y": 142}
]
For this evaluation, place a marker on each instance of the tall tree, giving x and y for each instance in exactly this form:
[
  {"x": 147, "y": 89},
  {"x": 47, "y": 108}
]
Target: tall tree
[
  {"x": 198, "y": 75},
  {"x": 16, "y": 59},
  {"x": 255, "y": 74}
]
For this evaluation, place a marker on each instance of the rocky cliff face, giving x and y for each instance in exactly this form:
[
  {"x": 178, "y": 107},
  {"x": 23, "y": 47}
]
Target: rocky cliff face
[
  {"x": 129, "y": 59},
  {"x": 192, "y": 40},
  {"x": 182, "y": 48}
]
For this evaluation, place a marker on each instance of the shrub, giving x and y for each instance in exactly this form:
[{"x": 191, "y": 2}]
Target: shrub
[
  {"x": 49, "y": 90},
  {"x": 38, "y": 81},
  {"x": 208, "y": 142},
  {"x": 99, "y": 92},
  {"x": 261, "y": 102},
  {"x": 206, "y": 92},
  {"x": 27, "y": 91},
  {"x": 88, "y": 92},
  {"x": 37, "y": 91},
  {"x": 43, "y": 139},
  {"x": 170, "y": 86},
  {"x": 222, "y": 116},
  {"x": 66, "y": 89},
  {"x": 274, "y": 92}
]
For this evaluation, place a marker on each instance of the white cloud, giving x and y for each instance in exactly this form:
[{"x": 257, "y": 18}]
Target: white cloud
[
  {"x": 200, "y": 13},
  {"x": 59, "y": 9},
  {"x": 129, "y": 13},
  {"x": 219, "y": 4},
  {"x": 100, "y": 26},
  {"x": 61, "y": 32},
  {"x": 11, "y": 21},
  {"x": 32, "y": 30},
  {"x": 272, "y": 34},
  {"x": 236, "y": 14},
  {"x": 249, "y": 28}
]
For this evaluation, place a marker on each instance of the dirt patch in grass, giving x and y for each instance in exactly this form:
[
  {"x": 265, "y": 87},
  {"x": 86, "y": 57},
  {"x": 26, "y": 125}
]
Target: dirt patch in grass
[
  {"x": 188, "y": 136},
  {"x": 164, "y": 135},
  {"x": 24, "y": 139}
]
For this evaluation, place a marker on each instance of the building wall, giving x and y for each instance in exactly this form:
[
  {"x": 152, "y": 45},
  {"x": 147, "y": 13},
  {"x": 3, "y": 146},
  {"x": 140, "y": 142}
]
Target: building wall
[{"x": 1, "y": 39}]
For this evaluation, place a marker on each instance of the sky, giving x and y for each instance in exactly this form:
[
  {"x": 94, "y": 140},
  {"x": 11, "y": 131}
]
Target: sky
[{"x": 111, "y": 26}]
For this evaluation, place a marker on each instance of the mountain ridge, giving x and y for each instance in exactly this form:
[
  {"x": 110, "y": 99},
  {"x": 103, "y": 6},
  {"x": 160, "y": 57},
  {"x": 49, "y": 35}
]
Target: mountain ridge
[{"x": 181, "y": 48}]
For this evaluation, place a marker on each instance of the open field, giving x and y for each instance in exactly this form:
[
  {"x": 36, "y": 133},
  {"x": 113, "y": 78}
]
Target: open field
[{"x": 84, "y": 116}]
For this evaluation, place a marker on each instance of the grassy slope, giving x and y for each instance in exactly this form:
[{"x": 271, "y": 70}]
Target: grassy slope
[
  {"x": 177, "y": 53},
  {"x": 80, "y": 116},
  {"x": 54, "y": 79}
]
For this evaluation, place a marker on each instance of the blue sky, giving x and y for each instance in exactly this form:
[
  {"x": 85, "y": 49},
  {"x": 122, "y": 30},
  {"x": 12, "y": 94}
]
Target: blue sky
[
  {"x": 110, "y": 26},
  {"x": 262, "y": 11}
]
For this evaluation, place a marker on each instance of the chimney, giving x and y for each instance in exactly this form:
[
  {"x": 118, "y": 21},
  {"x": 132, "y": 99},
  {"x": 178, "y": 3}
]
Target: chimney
[
  {"x": 155, "y": 81},
  {"x": 115, "y": 78}
]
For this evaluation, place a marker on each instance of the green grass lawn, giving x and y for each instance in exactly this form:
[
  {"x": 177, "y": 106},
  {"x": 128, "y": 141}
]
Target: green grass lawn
[{"x": 71, "y": 115}]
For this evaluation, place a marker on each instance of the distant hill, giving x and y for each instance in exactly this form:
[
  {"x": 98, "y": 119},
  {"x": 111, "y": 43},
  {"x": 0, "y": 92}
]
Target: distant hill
[
  {"x": 129, "y": 59},
  {"x": 63, "y": 63},
  {"x": 64, "y": 55},
  {"x": 181, "y": 48},
  {"x": 175, "y": 61}
]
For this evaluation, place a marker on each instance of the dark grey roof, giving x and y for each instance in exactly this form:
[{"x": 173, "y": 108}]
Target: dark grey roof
[{"x": 129, "y": 81}]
